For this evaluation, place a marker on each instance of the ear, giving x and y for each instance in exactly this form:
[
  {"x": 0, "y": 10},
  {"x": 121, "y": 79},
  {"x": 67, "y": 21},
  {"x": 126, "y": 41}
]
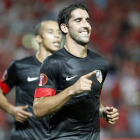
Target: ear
[
  {"x": 64, "y": 28},
  {"x": 38, "y": 38}
]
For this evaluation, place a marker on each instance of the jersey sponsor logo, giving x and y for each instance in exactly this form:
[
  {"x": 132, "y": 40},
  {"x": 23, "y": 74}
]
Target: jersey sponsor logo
[
  {"x": 69, "y": 78},
  {"x": 43, "y": 79},
  {"x": 30, "y": 79},
  {"x": 5, "y": 76},
  {"x": 99, "y": 75}
]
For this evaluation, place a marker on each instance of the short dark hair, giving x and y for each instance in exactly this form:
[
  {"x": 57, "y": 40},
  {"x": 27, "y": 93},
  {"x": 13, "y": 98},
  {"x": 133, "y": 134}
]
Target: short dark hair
[
  {"x": 38, "y": 28},
  {"x": 65, "y": 13}
]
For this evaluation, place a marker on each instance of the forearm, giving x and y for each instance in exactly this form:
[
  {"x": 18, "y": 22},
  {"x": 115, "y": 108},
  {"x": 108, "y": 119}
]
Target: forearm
[
  {"x": 5, "y": 105},
  {"x": 101, "y": 103},
  {"x": 48, "y": 105}
]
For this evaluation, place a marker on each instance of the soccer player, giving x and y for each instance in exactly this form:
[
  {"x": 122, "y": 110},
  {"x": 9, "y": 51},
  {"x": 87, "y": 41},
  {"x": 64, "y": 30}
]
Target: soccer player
[
  {"x": 70, "y": 83},
  {"x": 24, "y": 74}
]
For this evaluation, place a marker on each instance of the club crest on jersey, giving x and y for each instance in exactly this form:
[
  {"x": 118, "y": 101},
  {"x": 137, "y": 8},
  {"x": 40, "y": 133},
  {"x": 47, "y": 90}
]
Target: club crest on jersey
[
  {"x": 43, "y": 79},
  {"x": 99, "y": 75},
  {"x": 5, "y": 76}
]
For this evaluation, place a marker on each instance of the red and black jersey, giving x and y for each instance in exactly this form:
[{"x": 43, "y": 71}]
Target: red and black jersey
[
  {"x": 24, "y": 74},
  {"x": 79, "y": 117}
]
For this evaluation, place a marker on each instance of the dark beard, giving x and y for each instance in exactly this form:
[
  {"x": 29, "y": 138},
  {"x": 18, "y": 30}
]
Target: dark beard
[
  {"x": 73, "y": 36},
  {"x": 82, "y": 43}
]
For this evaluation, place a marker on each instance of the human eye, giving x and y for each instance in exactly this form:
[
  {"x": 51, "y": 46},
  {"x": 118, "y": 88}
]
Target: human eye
[
  {"x": 50, "y": 31},
  {"x": 88, "y": 20},
  {"x": 78, "y": 19}
]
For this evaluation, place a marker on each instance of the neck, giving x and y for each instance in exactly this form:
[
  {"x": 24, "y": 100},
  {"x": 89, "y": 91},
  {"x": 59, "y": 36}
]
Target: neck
[
  {"x": 42, "y": 54},
  {"x": 76, "y": 49}
]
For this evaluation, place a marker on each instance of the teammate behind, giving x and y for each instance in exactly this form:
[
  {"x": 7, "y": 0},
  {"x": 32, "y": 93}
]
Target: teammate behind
[{"x": 24, "y": 75}]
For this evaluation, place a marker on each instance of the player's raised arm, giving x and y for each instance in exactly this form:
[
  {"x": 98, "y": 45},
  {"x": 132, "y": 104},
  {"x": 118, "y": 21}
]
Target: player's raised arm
[{"x": 44, "y": 106}]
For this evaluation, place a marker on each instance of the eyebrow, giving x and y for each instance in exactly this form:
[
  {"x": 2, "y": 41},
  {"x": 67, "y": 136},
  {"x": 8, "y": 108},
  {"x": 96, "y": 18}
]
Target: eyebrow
[
  {"x": 49, "y": 29},
  {"x": 52, "y": 30},
  {"x": 79, "y": 18}
]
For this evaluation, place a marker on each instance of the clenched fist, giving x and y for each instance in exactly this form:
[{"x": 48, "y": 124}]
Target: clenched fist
[{"x": 109, "y": 114}]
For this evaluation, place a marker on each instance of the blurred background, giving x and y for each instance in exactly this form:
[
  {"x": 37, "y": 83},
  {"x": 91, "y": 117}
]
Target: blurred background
[{"x": 115, "y": 35}]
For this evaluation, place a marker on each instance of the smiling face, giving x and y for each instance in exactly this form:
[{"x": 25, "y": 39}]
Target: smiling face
[
  {"x": 50, "y": 36},
  {"x": 79, "y": 28}
]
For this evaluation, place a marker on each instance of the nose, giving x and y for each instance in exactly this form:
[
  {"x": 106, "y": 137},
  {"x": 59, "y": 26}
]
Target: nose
[{"x": 86, "y": 24}]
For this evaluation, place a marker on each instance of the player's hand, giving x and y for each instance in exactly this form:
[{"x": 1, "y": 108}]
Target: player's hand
[
  {"x": 20, "y": 114},
  {"x": 83, "y": 84},
  {"x": 110, "y": 114}
]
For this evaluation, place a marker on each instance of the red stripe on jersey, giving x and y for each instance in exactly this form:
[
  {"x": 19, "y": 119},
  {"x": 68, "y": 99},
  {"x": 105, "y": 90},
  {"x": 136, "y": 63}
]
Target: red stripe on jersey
[
  {"x": 44, "y": 92},
  {"x": 5, "y": 88}
]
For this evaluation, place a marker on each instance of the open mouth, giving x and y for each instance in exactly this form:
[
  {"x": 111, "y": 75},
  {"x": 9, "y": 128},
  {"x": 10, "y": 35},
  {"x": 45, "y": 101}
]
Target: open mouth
[
  {"x": 56, "y": 43},
  {"x": 85, "y": 32}
]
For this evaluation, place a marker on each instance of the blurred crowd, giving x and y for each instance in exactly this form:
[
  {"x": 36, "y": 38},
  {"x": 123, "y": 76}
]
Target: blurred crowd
[{"x": 115, "y": 35}]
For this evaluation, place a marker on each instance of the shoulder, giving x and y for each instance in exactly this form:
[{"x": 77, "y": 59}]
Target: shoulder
[
  {"x": 101, "y": 59},
  {"x": 58, "y": 54},
  {"x": 27, "y": 59},
  {"x": 53, "y": 62},
  {"x": 18, "y": 65},
  {"x": 97, "y": 56},
  {"x": 55, "y": 57}
]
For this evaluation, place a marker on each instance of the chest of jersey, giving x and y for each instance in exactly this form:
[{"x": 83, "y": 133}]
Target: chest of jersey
[
  {"x": 28, "y": 78},
  {"x": 72, "y": 70}
]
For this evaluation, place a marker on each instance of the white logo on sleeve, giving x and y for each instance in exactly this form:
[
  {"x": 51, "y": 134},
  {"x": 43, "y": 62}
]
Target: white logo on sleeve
[
  {"x": 68, "y": 79},
  {"x": 29, "y": 79},
  {"x": 99, "y": 75}
]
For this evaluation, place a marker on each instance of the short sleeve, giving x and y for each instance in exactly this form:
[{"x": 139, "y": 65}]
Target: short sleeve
[
  {"x": 48, "y": 78},
  {"x": 105, "y": 71},
  {"x": 9, "y": 78}
]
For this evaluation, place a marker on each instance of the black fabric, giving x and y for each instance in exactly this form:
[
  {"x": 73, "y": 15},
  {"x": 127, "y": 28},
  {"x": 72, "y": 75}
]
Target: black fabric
[
  {"x": 79, "y": 118},
  {"x": 24, "y": 75}
]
